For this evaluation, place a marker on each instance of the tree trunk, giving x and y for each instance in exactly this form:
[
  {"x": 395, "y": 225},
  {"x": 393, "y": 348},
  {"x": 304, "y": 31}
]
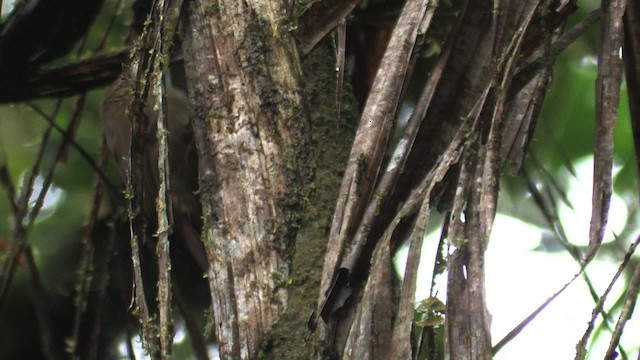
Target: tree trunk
[
  {"x": 304, "y": 202},
  {"x": 251, "y": 126}
]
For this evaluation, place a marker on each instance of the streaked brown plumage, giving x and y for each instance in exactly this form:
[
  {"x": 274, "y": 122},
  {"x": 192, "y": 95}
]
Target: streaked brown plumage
[{"x": 182, "y": 157}]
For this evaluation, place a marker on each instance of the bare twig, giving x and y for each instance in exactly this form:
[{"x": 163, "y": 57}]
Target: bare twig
[
  {"x": 627, "y": 310},
  {"x": 43, "y": 312},
  {"x": 68, "y": 137},
  {"x": 19, "y": 235},
  {"x": 582, "y": 344}
]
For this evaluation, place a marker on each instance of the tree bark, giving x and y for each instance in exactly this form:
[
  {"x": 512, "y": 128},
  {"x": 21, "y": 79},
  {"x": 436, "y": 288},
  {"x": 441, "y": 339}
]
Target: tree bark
[{"x": 252, "y": 132}]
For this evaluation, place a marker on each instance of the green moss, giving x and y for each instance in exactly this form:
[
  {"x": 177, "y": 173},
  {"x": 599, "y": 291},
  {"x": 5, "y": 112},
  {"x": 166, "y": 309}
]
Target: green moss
[
  {"x": 362, "y": 163},
  {"x": 459, "y": 242},
  {"x": 280, "y": 279},
  {"x": 429, "y": 312},
  {"x": 212, "y": 10},
  {"x": 379, "y": 200},
  {"x": 323, "y": 169}
]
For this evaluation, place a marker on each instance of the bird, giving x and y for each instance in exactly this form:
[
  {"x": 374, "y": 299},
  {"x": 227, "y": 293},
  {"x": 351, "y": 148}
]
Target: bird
[{"x": 183, "y": 160}]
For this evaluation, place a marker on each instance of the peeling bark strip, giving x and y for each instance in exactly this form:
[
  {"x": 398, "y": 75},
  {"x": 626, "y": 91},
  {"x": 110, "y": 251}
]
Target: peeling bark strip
[
  {"x": 632, "y": 70},
  {"x": 607, "y": 100},
  {"x": 468, "y": 335},
  {"x": 251, "y": 129},
  {"x": 365, "y": 161}
]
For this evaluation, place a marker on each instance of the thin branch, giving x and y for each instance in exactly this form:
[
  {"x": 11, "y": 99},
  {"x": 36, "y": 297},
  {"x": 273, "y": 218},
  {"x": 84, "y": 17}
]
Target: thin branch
[
  {"x": 43, "y": 312},
  {"x": 100, "y": 306},
  {"x": 69, "y": 139},
  {"x": 582, "y": 344},
  {"x": 117, "y": 6},
  {"x": 513, "y": 333},
  {"x": 197, "y": 339},
  {"x": 5, "y": 180},
  {"x": 20, "y": 230},
  {"x": 539, "y": 61},
  {"x": 86, "y": 267}
]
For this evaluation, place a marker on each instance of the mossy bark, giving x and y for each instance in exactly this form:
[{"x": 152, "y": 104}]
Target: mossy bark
[
  {"x": 252, "y": 130},
  {"x": 332, "y": 137}
]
